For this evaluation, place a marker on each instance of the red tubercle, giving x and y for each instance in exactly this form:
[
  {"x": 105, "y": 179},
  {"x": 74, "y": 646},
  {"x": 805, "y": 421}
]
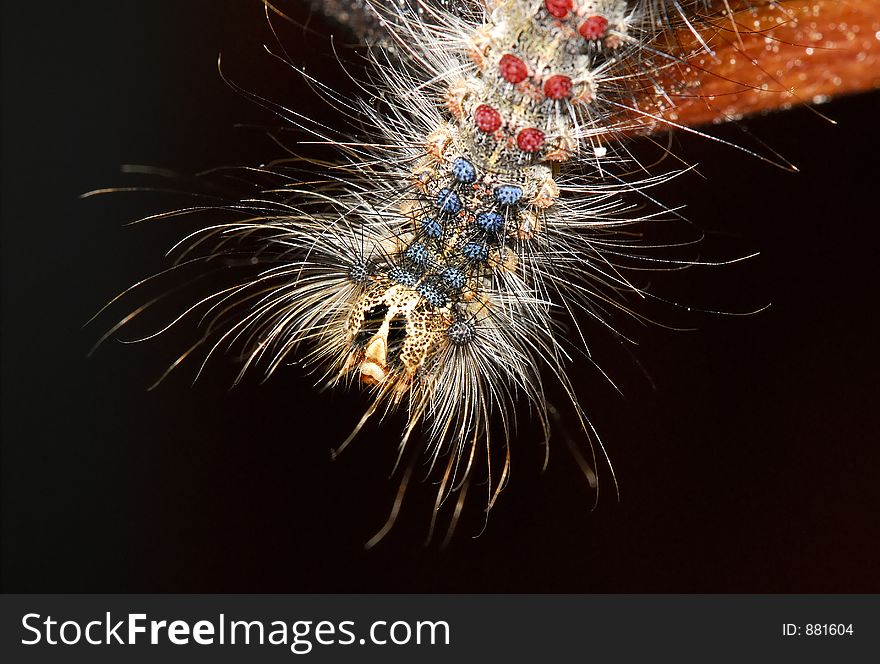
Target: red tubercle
[
  {"x": 513, "y": 70},
  {"x": 530, "y": 139},
  {"x": 557, "y": 87},
  {"x": 558, "y": 8},
  {"x": 487, "y": 119},
  {"x": 593, "y": 27}
]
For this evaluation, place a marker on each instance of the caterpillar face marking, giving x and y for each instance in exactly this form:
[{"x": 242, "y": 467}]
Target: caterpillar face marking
[{"x": 407, "y": 330}]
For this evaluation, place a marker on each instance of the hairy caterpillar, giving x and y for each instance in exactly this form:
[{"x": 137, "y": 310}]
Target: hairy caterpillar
[{"x": 383, "y": 292}]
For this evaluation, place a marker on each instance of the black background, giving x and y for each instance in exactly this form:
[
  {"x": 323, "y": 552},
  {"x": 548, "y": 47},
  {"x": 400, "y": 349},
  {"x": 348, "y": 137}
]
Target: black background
[{"x": 750, "y": 468}]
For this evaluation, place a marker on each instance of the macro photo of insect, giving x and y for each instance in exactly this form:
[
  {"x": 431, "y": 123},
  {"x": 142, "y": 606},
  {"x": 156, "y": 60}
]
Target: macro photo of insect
[{"x": 538, "y": 292}]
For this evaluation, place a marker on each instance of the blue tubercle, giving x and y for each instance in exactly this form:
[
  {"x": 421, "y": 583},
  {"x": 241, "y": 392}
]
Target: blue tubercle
[
  {"x": 461, "y": 333},
  {"x": 454, "y": 278},
  {"x": 464, "y": 171},
  {"x": 417, "y": 253},
  {"x": 491, "y": 222},
  {"x": 448, "y": 201},
  {"x": 403, "y": 277},
  {"x": 508, "y": 194},
  {"x": 432, "y": 295},
  {"x": 476, "y": 251},
  {"x": 432, "y": 228}
]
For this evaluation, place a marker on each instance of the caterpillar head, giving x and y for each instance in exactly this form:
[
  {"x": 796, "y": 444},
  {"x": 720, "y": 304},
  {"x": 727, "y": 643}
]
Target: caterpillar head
[{"x": 393, "y": 333}]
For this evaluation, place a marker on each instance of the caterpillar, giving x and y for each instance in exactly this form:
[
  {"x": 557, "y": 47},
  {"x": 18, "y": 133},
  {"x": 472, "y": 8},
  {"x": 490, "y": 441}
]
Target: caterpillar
[{"x": 441, "y": 262}]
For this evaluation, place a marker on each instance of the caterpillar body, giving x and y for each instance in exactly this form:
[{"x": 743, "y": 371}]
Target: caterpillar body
[{"x": 442, "y": 264}]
